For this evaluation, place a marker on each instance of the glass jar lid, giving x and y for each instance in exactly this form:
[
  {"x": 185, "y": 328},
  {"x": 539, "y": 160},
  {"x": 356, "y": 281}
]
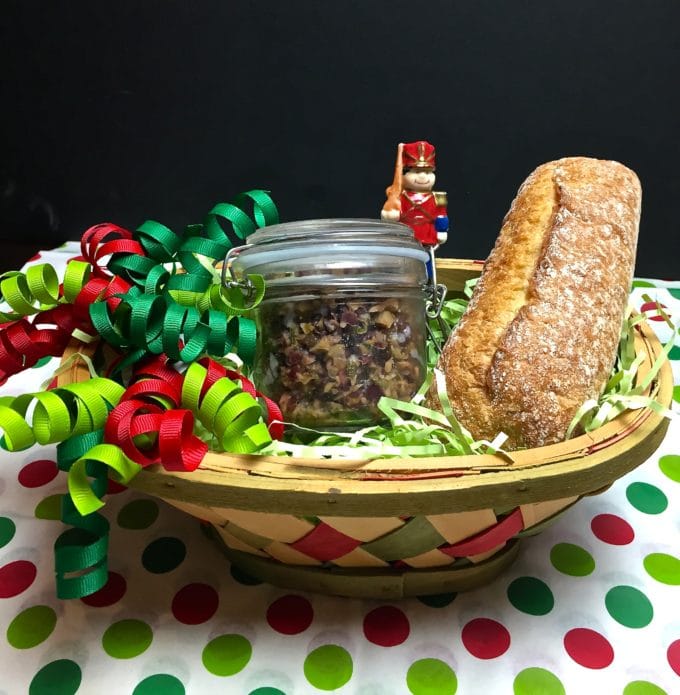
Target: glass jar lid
[{"x": 342, "y": 252}]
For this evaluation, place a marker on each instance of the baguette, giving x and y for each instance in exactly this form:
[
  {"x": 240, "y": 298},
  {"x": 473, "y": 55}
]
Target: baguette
[{"x": 540, "y": 334}]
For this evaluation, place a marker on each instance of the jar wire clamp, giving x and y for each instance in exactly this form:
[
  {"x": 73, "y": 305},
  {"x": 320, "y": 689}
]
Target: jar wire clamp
[
  {"x": 435, "y": 297},
  {"x": 245, "y": 284}
]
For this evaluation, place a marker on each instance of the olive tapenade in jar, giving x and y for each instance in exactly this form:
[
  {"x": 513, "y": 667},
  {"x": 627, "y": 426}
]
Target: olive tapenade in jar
[{"x": 343, "y": 318}]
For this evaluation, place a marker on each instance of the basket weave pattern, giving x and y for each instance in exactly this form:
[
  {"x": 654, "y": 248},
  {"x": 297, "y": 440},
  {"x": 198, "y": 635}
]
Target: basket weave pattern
[
  {"x": 403, "y": 527},
  {"x": 437, "y": 540}
]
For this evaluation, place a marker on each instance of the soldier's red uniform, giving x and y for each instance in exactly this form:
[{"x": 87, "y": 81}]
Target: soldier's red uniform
[{"x": 420, "y": 210}]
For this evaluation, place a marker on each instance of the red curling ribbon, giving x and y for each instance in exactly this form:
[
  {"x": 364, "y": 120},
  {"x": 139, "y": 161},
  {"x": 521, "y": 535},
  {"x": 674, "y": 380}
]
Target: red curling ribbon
[
  {"x": 180, "y": 449},
  {"x": 172, "y": 442},
  {"x": 103, "y": 240},
  {"x": 157, "y": 367},
  {"x": 23, "y": 342},
  {"x": 148, "y": 388},
  {"x": 100, "y": 289},
  {"x": 175, "y": 446},
  {"x": 120, "y": 425}
]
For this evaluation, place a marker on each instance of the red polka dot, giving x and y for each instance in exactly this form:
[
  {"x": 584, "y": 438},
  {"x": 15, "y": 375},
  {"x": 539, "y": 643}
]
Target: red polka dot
[
  {"x": 195, "y": 603},
  {"x": 16, "y": 577},
  {"x": 612, "y": 529},
  {"x": 113, "y": 488},
  {"x": 112, "y": 592},
  {"x": 38, "y": 473},
  {"x": 652, "y": 307},
  {"x": 290, "y": 615},
  {"x": 588, "y": 648},
  {"x": 485, "y": 638},
  {"x": 386, "y": 626},
  {"x": 673, "y": 656}
]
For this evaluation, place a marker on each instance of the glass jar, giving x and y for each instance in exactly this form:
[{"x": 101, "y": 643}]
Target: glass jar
[{"x": 343, "y": 319}]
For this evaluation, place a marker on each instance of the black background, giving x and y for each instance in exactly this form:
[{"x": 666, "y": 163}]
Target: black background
[{"x": 133, "y": 110}]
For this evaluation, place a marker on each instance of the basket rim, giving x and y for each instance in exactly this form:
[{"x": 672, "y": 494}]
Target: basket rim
[{"x": 278, "y": 484}]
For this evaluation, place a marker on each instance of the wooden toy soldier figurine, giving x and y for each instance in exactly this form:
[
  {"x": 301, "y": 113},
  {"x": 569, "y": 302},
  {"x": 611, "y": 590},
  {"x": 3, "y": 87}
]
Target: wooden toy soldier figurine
[{"x": 410, "y": 198}]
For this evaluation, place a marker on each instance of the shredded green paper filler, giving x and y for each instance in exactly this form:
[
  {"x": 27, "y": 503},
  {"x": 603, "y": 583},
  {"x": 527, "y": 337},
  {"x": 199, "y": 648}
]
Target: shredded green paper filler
[{"x": 413, "y": 430}]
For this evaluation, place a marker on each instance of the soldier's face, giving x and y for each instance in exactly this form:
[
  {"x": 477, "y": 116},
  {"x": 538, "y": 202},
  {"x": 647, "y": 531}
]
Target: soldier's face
[{"x": 418, "y": 179}]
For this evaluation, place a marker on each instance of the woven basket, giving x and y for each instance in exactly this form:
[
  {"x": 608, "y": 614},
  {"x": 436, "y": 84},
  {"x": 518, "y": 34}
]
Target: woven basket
[{"x": 381, "y": 529}]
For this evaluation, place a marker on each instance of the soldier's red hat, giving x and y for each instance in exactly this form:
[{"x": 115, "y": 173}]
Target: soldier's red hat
[{"x": 418, "y": 155}]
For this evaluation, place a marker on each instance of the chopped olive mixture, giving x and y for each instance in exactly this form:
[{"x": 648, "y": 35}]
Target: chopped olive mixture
[{"x": 327, "y": 361}]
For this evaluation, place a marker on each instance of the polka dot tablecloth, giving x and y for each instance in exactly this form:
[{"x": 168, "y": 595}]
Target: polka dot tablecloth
[{"x": 591, "y": 605}]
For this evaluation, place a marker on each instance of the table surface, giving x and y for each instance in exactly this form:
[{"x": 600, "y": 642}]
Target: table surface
[{"x": 591, "y": 605}]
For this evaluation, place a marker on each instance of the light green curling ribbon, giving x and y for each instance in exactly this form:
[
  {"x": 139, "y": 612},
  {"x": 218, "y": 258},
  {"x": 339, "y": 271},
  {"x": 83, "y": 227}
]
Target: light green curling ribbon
[
  {"x": 84, "y": 493},
  {"x": 232, "y": 416},
  {"x": 74, "y": 415},
  {"x": 30, "y": 292},
  {"x": 58, "y": 414}
]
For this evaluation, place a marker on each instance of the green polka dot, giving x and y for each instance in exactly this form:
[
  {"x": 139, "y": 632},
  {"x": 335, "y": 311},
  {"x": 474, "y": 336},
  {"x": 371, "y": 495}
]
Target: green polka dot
[
  {"x": 674, "y": 354},
  {"x": 61, "y": 677},
  {"x": 537, "y": 681},
  {"x": 31, "y": 627},
  {"x": 328, "y": 667},
  {"x": 531, "y": 595},
  {"x": 438, "y": 600},
  {"x": 266, "y": 691},
  {"x": 674, "y": 292},
  {"x": 42, "y": 362},
  {"x": 664, "y": 568},
  {"x": 642, "y": 283},
  {"x": 646, "y": 498},
  {"x": 431, "y": 677},
  {"x": 49, "y": 508},
  {"x": 629, "y": 606},
  {"x": 676, "y": 393},
  {"x": 127, "y": 639},
  {"x": 138, "y": 514},
  {"x": 670, "y": 466},
  {"x": 7, "y": 530},
  {"x": 572, "y": 560},
  {"x": 163, "y": 555},
  {"x": 160, "y": 683},
  {"x": 227, "y": 655},
  {"x": 643, "y": 688}
]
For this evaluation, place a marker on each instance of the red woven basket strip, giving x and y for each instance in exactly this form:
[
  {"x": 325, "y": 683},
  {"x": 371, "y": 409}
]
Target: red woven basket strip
[
  {"x": 489, "y": 539},
  {"x": 324, "y": 543}
]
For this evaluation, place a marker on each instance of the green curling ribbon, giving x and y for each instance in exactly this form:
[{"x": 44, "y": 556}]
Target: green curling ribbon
[
  {"x": 58, "y": 414},
  {"x": 160, "y": 242},
  {"x": 232, "y": 416},
  {"x": 158, "y": 324},
  {"x": 80, "y": 553},
  {"x": 29, "y": 293}
]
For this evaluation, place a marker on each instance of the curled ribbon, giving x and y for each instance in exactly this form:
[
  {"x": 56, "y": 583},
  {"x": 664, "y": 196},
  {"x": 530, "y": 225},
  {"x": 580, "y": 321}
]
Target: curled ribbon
[
  {"x": 58, "y": 414},
  {"x": 151, "y": 292}
]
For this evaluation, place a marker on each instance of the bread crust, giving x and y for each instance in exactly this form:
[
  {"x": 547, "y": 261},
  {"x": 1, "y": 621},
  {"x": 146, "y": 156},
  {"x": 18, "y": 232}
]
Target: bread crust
[{"x": 540, "y": 334}]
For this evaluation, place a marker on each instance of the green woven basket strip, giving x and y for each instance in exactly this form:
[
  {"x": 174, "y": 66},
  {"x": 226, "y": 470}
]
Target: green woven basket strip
[
  {"x": 413, "y": 538},
  {"x": 248, "y": 537}
]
